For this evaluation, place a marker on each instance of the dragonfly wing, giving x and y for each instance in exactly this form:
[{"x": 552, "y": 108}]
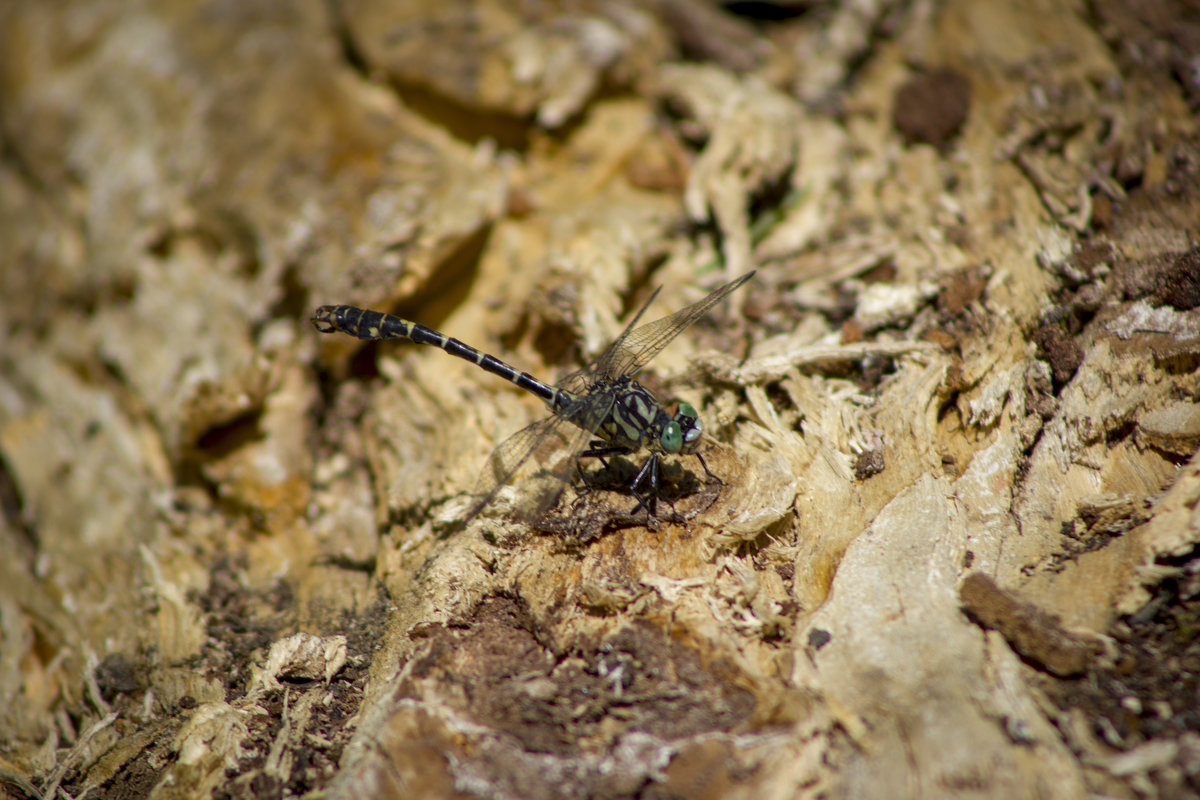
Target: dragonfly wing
[
  {"x": 551, "y": 444},
  {"x": 578, "y": 382},
  {"x": 634, "y": 349},
  {"x": 510, "y": 455}
]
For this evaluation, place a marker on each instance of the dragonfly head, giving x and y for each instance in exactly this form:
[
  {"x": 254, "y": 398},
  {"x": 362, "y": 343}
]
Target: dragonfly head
[{"x": 682, "y": 433}]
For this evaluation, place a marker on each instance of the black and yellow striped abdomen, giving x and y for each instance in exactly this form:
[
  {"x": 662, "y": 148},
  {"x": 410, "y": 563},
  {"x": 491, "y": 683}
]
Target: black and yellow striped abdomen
[{"x": 363, "y": 323}]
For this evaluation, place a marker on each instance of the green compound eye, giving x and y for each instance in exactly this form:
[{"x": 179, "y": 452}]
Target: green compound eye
[
  {"x": 689, "y": 422},
  {"x": 672, "y": 437}
]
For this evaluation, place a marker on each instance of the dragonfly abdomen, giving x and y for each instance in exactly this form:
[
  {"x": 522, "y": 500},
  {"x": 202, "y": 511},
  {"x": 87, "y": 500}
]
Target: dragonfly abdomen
[{"x": 370, "y": 325}]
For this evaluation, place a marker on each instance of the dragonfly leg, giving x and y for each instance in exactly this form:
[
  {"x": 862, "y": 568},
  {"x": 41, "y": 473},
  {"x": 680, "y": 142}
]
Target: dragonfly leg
[
  {"x": 598, "y": 449},
  {"x": 648, "y": 474},
  {"x": 708, "y": 471}
]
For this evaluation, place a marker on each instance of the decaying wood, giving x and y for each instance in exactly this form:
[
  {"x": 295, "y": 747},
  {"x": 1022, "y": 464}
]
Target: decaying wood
[{"x": 950, "y": 548}]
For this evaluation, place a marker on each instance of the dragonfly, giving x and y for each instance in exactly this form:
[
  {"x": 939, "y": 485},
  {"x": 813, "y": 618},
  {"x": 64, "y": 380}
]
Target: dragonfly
[{"x": 601, "y": 405}]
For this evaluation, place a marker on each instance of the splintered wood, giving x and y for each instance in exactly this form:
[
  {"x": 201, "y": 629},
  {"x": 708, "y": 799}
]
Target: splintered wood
[{"x": 943, "y": 543}]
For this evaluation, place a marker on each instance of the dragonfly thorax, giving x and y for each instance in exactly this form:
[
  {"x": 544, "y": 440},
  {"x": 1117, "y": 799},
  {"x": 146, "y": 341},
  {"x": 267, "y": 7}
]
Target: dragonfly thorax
[{"x": 632, "y": 418}]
